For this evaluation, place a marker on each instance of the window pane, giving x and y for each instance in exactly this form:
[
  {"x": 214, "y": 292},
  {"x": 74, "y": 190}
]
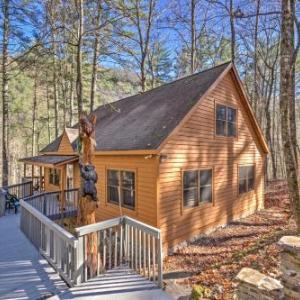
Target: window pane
[
  {"x": 243, "y": 172},
  {"x": 242, "y": 186},
  {"x": 231, "y": 115},
  {"x": 205, "y": 177},
  {"x": 250, "y": 171},
  {"x": 250, "y": 184},
  {"x": 231, "y": 129},
  {"x": 128, "y": 186},
  {"x": 190, "y": 197},
  {"x": 127, "y": 179},
  {"x": 190, "y": 179},
  {"x": 221, "y": 112},
  {"x": 128, "y": 197},
  {"x": 206, "y": 194},
  {"x": 221, "y": 128},
  {"x": 113, "y": 194},
  {"x": 113, "y": 177}
]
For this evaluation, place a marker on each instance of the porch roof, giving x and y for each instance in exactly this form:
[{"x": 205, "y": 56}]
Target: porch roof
[{"x": 49, "y": 160}]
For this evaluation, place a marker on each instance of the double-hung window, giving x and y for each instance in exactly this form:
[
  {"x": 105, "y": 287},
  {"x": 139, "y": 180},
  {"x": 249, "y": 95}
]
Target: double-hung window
[
  {"x": 225, "y": 121},
  {"x": 54, "y": 176},
  {"x": 197, "y": 187},
  {"x": 121, "y": 188},
  {"x": 246, "y": 179}
]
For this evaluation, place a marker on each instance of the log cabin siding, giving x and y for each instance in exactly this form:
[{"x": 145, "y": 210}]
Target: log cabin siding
[
  {"x": 65, "y": 146},
  {"x": 146, "y": 174},
  {"x": 195, "y": 146}
]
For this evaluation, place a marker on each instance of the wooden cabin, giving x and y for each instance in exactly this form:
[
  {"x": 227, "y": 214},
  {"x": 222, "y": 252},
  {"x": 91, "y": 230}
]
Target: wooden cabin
[{"x": 185, "y": 157}]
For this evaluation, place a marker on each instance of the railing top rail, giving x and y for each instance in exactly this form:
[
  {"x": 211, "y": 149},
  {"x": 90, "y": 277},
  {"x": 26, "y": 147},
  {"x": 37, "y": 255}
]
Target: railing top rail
[
  {"x": 16, "y": 184},
  {"x": 64, "y": 234},
  {"x": 83, "y": 230},
  {"x": 71, "y": 190},
  {"x": 142, "y": 226},
  {"x": 39, "y": 195}
]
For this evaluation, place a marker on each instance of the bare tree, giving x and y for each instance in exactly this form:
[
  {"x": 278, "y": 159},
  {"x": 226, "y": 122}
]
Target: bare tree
[
  {"x": 79, "y": 8},
  {"x": 6, "y": 25},
  {"x": 287, "y": 105},
  {"x": 95, "y": 56}
]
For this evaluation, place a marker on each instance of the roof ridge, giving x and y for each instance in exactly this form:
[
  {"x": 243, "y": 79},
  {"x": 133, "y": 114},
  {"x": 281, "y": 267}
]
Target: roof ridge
[{"x": 163, "y": 85}]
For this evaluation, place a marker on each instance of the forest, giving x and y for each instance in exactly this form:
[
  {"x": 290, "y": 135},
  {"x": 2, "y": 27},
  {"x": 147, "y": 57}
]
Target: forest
[{"x": 60, "y": 58}]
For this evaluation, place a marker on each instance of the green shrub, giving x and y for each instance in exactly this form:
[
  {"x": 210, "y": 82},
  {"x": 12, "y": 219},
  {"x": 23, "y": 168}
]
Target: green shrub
[{"x": 199, "y": 291}]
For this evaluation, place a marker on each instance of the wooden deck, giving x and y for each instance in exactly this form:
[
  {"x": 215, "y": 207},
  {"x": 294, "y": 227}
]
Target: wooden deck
[{"x": 119, "y": 283}]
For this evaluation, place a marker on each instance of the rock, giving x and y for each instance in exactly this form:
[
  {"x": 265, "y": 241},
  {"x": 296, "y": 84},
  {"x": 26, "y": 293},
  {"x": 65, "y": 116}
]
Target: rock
[
  {"x": 255, "y": 285},
  {"x": 290, "y": 243}
]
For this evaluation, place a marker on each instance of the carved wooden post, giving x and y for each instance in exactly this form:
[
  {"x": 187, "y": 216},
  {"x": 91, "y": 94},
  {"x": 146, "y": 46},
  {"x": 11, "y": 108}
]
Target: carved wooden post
[{"x": 88, "y": 201}]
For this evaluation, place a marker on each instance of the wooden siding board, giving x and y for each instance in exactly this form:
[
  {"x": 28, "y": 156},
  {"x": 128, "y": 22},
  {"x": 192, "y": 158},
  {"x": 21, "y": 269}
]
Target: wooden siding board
[
  {"x": 195, "y": 145},
  {"x": 146, "y": 186}
]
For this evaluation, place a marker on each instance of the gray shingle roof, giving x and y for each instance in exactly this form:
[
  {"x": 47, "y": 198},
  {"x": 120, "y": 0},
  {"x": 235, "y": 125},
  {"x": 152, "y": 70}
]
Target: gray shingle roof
[
  {"x": 143, "y": 121},
  {"x": 49, "y": 159}
]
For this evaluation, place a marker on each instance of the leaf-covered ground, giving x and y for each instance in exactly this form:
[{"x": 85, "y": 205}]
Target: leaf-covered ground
[{"x": 214, "y": 260}]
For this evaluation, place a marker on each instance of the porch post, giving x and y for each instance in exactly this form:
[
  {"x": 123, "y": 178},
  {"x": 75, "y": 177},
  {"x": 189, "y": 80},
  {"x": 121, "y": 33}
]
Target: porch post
[
  {"x": 41, "y": 180},
  {"x": 24, "y": 171},
  {"x": 32, "y": 173}
]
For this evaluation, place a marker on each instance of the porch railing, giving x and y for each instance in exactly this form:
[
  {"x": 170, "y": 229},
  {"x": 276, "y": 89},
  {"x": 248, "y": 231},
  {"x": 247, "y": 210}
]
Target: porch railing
[
  {"x": 121, "y": 241},
  {"x": 55, "y": 205},
  {"x": 56, "y": 244},
  {"x": 38, "y": 183},
  {"x": 20, "y": 190}
]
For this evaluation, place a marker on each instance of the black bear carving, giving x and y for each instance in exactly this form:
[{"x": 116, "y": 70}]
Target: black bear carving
[{"x": 88, "y": 173}]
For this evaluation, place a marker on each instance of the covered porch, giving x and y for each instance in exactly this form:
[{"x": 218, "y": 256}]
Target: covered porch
[{"x": 51, "y": 173}]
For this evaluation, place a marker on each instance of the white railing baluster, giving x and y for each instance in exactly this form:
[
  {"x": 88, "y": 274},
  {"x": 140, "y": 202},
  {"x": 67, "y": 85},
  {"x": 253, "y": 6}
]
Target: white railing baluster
[
  {"x": 153, "y": 257},
  {"x": 110, "y": 248},
  {"x": 104, "y": 248},
  {"x": 148, "y": 255},
  {"x": 121, "y": 244},
  {"x": 116, "y": 247}
]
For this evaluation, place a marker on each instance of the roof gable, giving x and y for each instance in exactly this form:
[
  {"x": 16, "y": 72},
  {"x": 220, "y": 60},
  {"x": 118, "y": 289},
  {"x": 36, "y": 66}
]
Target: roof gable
[{"x": 244, "y": 101}]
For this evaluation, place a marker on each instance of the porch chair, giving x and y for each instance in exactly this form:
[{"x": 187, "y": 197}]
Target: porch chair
[{"x": 12, "y": 202}]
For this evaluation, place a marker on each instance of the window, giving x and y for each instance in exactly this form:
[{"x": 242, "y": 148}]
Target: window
[
  {"x": 54, "y": 176},
  {"x": 197, "y": 187},
  {"x": 225, "y": 121},
  {"x": 121, "y": 188},
  {"x": 246, "y": 179}
]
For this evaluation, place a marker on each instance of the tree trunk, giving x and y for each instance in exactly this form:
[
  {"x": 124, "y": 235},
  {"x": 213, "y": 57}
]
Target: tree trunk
[
  {"x": 232, "y": 29},
  {"x": 79, "y": 57},
  {"x": 255, "y": 99},
  {"x": 95, "y": 57},
  {"x": 48, "y": 111},
  {"x": 71, "y": 121},
  {"x": 193, "y": 36},
  {"x": 34, "y": 105},
  {"x": 287, "y": 100},
  {"x": 5, "y": 93},
  {"x": 87, "y": 204}
]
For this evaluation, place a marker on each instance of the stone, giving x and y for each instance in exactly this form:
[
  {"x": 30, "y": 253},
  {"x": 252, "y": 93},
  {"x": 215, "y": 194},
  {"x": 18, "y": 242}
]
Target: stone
[
  {"x": 255, "y": 285},
  {"x": 290, "y": 243}
]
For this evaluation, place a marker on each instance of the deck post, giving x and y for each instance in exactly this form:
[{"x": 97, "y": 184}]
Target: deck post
[
  {"x": 160, "y": 263},
  {"x": 78, "y": 263}
]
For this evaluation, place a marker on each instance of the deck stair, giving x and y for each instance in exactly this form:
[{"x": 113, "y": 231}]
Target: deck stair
[{"x": 127, "y": 249}]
